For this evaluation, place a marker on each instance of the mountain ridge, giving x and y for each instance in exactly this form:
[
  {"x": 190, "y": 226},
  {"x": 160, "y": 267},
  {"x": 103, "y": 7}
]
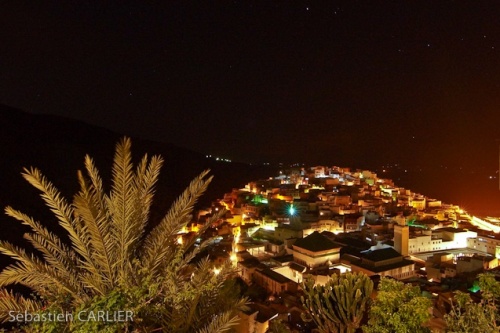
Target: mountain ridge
[{"x": 57, "y": 146}]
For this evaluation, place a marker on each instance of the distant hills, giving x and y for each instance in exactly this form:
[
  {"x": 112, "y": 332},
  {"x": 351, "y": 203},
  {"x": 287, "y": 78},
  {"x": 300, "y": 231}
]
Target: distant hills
[{"x": 57, "y": 146}]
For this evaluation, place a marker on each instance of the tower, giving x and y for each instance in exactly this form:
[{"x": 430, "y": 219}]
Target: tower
[{"x": 401, "y": 237}]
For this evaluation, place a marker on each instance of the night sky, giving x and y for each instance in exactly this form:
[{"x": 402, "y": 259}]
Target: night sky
[{"x": 353, "y": 83}]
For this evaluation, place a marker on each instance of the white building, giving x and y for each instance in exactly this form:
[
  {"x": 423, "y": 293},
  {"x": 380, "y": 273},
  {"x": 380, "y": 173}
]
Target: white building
[
  {"x": 435, "y": 240},
  {"x": 293, "y": 271},
  {"x": 439, "y": 240},
  {"x": 486, "y": 244}
]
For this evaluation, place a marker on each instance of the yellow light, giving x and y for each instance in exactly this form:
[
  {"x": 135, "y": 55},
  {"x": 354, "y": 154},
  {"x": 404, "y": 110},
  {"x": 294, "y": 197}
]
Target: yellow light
[
  {"x": 180, "y": 240},
  {"x": 216, "y": 271}
]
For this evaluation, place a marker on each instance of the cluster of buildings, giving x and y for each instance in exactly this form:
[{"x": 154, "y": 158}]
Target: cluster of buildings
[{"x": 315, "y": 222}]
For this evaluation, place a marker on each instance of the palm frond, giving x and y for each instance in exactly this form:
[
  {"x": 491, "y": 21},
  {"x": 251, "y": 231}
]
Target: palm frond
[
  {"x": 63, "y": 212},
  {"x": 54, "y": 261},
  {"x": 61, "y": 209},
  {"x": 198, "y": 249},
  {"x": 221, "y": 323},
  {"x": 48, "y": 243},
  {"x": 145, "y": 180},
  {"x": 158, "y": 241},
  {"x": 204, "y": 295},
  {"x": 55, "y": 253},
  {"x": 32, "y": 272},
  {"x": 11, "y": 304},
  {"x": 95, "y": 228},
  {"x": 96, "y": 184},
  {"x": 121, "y": 207}
]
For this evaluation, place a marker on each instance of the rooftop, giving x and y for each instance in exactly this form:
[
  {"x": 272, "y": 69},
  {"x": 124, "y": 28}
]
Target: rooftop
[
  {"x": 378, "y": 269},
  {"x": 382, "y": 254},
  {"x": 316, "y": 242},
  {"x": 275, "y": 276},
  {"x": 454, "y": 230},
  {"x": 283, "y": 259},
  {"x": 250, "y": 263},
  {"x": 297, "y": 267}
]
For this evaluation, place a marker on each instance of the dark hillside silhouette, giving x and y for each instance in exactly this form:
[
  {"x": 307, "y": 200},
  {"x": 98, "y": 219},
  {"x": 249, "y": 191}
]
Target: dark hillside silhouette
[{"x": 57, "y": 146}]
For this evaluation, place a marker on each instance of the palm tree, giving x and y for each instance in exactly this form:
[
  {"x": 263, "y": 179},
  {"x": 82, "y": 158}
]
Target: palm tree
[{"x": 111, "y": 263}]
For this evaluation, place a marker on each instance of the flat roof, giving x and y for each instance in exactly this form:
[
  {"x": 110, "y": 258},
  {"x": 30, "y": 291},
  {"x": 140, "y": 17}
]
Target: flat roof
[
  {"x": 250, "y": 263},
  {"x": 378, "y": 269},
  {"x": 381, "y": 254},
  {"x": 297, "y": 267},
  {"x": 450, "y": 229},
  {"x": 283, "y": 259},
  {"x": 275, "y": 276}
]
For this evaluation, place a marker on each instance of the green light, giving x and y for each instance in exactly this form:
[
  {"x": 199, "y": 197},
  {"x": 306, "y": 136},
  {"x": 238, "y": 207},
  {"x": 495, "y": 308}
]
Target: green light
[
  {"x": 291, "y": 210},
  {"x": 259, "y": 199},
  {"x": 475, "y": 287}
]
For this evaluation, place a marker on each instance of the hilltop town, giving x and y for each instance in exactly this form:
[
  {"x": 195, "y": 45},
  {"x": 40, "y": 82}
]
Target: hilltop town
[{"x": 321, "y": 221}]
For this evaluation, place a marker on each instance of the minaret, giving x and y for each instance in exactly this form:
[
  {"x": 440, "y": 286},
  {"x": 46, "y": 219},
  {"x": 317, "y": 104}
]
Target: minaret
[{"x": 401, "y": 239}]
